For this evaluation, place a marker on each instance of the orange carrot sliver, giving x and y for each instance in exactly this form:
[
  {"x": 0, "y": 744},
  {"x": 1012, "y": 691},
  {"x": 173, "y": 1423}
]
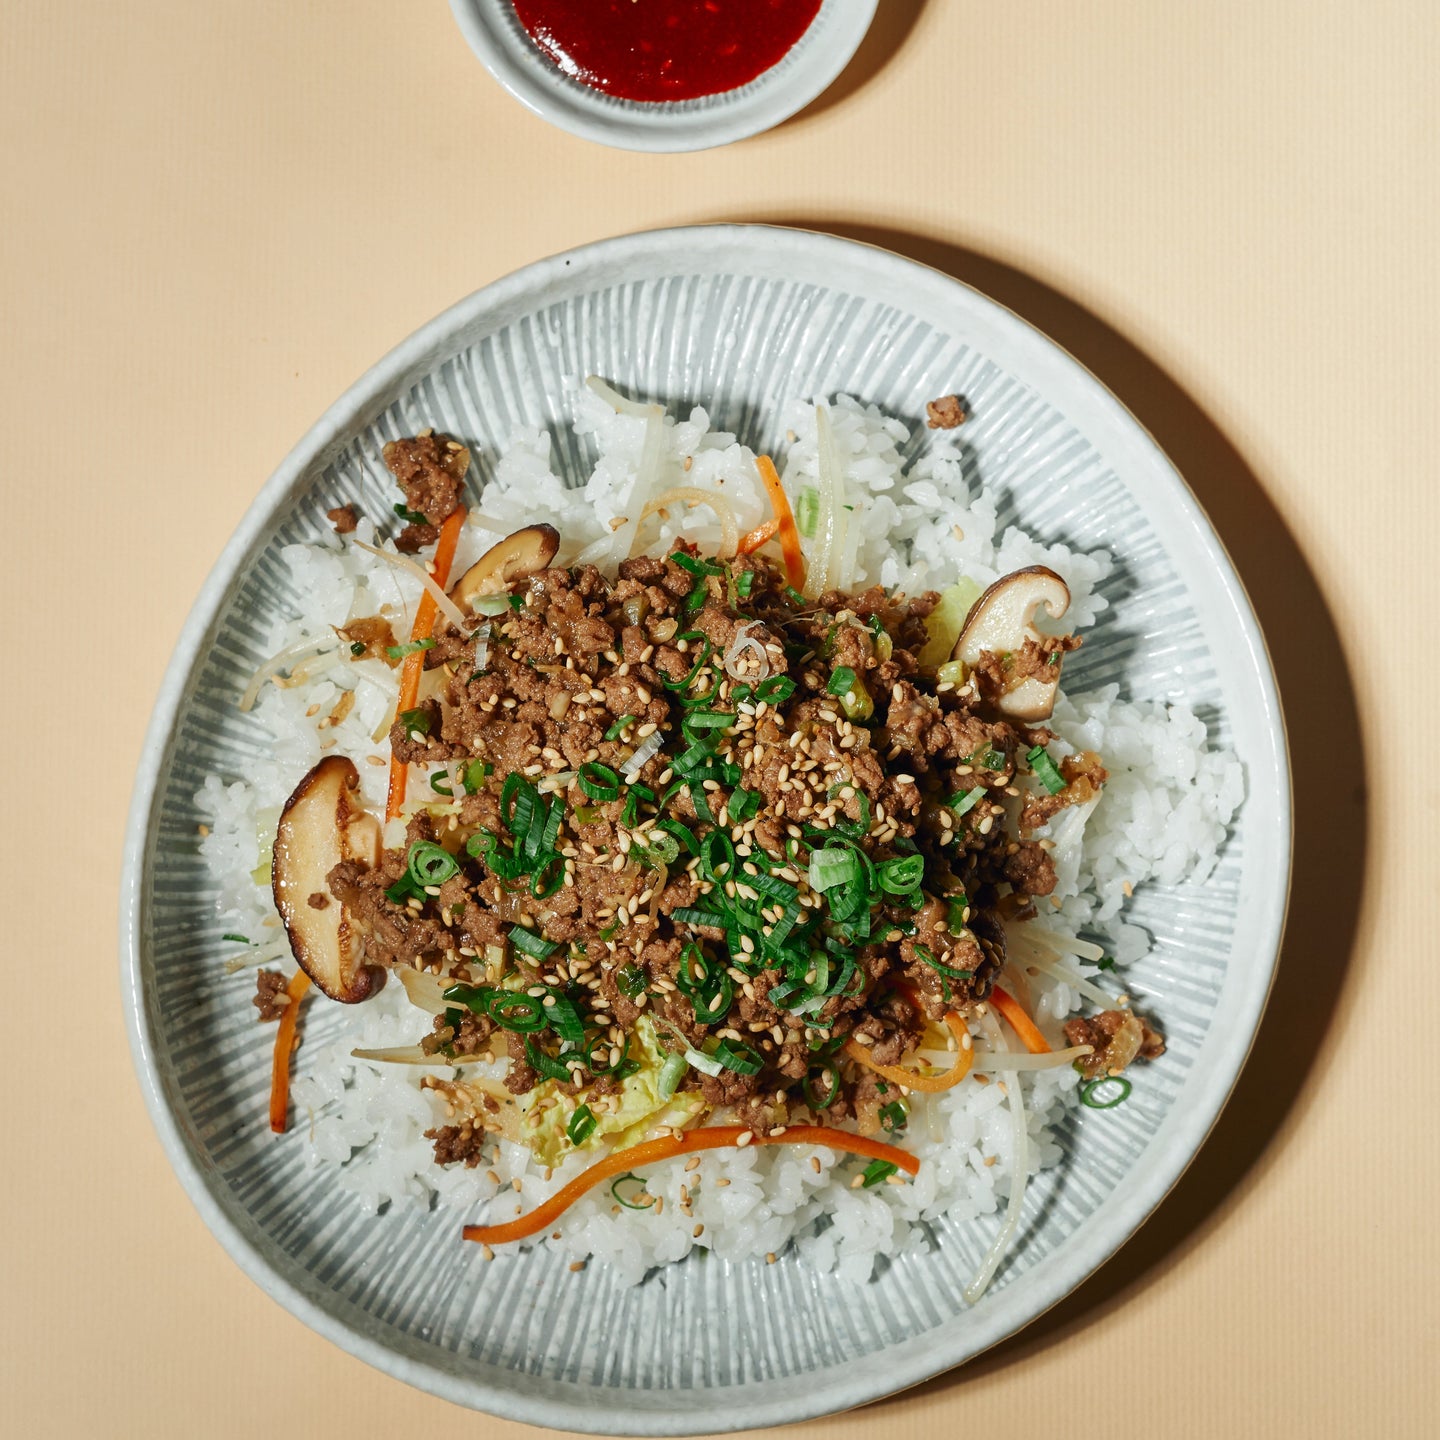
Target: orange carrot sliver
[
  {"x": 414, "y": 665},
  {"x": 930, "y": 1084},
  {"x": 785, "y": 521},
  {"x": 651, "y": 1152},
  {"x": 1020, "y": 1022},
  {"x": 757, "y": 537},
  {"x": 284, "y": 1046}
]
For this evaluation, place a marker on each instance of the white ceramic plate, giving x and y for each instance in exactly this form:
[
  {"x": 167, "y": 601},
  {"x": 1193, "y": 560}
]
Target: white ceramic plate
[
  {"x": 496, "y": 35},
  {"x": 737, "y": 318}
]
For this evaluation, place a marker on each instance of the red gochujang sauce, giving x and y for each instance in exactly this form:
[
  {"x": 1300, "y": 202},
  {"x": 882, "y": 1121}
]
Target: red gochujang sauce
[{"x": 665, "y": 49}]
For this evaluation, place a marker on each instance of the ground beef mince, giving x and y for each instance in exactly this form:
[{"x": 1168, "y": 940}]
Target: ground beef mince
[
  {"x": 343, "y": 518},
  {"x": 270, "y": 997},
  {"x": 946, "y": 413},
  {"x": 1117, "y": 1037},
  {"x": 659, "y": 838},
  {"x": 430, "y": 469}
]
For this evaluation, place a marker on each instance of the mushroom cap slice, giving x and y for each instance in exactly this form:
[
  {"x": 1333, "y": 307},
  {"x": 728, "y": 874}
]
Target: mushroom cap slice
[
  {"x": 1001, "y": 621},
  {"x": 505, "y": 562},
  {"x": 321, "y": 825}
]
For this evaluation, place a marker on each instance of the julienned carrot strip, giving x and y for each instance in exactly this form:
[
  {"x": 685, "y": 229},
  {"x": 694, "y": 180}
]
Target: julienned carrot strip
[
  {"x": 414, "y": 665},
  {"x": 785, "y": 522},
  {"x": 757, "y": 537},
  {"x": 1020, "y": 1022},
  {"x": 652, "y": 1152},
  {"x": 284, "y": 1045},
  {"x": 931, "y": 1084}
]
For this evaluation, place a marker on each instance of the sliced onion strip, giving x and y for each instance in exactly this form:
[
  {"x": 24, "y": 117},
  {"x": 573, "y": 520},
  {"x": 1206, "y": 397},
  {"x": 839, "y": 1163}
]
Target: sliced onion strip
[
  {"x": 741, "y": 644},
  {"x": 1019, "y": 1167},
  {"x": 647, "y": 748},
  {"x": 285, "y": 659},
  {"x": 694, "y": 495},
  {"x": 447, "y": 607}
]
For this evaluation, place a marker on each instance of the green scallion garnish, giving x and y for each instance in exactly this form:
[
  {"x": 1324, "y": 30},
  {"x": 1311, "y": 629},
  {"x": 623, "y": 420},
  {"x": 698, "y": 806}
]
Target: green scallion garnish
[
  {"x": 410, "y": 647},
  {"x": 529, "y": 943},
  {"x": 614, "y": 732},
  {"x": 430, "y": 864},
  {"x": 1045, "y": 770},
  {"x": 598, "y": 781},
  {"x": 238, "y": 939},
  {"x": 1122, "y": 1089},
  {"x": 637, "y": 1203},
  {"x": 582, "y": 1125},
  {"x": 842, "y": 680},
  {"x": 878, "y": 1171},
  {"x": 414, "y": 722}
]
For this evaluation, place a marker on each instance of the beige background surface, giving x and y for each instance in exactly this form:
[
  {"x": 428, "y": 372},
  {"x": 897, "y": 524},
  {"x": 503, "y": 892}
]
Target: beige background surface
[{"x": 217, "y": 215}]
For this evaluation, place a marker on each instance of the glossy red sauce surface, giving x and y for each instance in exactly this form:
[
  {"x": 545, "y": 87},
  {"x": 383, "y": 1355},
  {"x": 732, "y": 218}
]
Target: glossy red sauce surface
[{"x": 665, "y": 49}]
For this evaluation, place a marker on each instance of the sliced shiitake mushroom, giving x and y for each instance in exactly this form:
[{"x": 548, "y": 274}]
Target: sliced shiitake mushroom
[
  {"x": 321, "y": 825},
  {"x": 505, "y": 562},
  {"x": 1001, "y": 621}
]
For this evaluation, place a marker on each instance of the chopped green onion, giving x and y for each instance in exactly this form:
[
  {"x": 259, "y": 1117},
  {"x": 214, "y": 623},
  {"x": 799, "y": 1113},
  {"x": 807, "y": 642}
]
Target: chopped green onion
[
  {"x": 440, "y": 784},
  {"x": 613, "y": 733},
  {"x": 893, "y": 1117},
  {"x": 924, "y": 955},
  {"x": 738, "y": 1057},
  {"x": 794, "y": 596},
  {"x": 582, "y": 1125},
  {"x": 598, "y": 781},
  {"x": 899, "y": 877},
  {"x": 1105, "y": 962},
  {"x": 238, "y": 939},
  {"x": 742, "y": 805},
  {"x": 411, "y": 517},
  {"x": 966, "y": 800},
  {"x": 563, "y": 1018},
  {"x": 696, "y": 566},
  {"x": 697, "y": 597},
  {"x": 473, "y": 776},
  {"x": 705, "y": 651},
  {"x": 490, "y": 604},
  {"x": 513, "y": 1011},
  {"x": 357, "y": 647},
  {"x": 621, "y": 1200},
  {"x": 544, "y": 1062},
  {"x": 671, "y": 1074},
  {"x": 744, "y": 583},
  {"x": 702, "y": 1062},
  {"x": 878, "y": 1171},
  {"x": 834, "y": 866},
  {"x": 1122, "y": 1092},
  {"x": 410, "y": 647},
  {"x": 776, "y": 690},
  {"x": 630, "y": 981},
  {"x": 661, "y": 848},
  {"x": 622, "y": 1066},
  {"x": 529, "y": 943},
  {"x": 430, "y": 864},
  {"x": 955, "y": 921},
  {"x": 807, "y": 510},
  {"x": 1044, "y": 767},
  {"x": 842, "y": 680},
  {"x": 681, "y": 834},
  {"x": 415, "y": 722},
  {"x": 709, "y": 720},
  {"x": 827, "y": 1099}
]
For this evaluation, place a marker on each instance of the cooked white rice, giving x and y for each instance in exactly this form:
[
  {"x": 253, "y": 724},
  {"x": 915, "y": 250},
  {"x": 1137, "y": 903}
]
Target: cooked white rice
[{"x": 1163, "y": 816}]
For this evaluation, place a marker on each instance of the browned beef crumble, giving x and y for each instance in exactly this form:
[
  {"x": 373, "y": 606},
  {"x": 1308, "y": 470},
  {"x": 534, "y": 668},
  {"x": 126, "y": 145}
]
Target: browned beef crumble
[
  {"x": 270, "y": 997},
  {"x": 578, "y": 676},
  {"x": 343, "y": 518},
  {"x": 946, "y": 413},
  {"x": 1117, "y": 1037},
  {"x": 430, "y": 469}
]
